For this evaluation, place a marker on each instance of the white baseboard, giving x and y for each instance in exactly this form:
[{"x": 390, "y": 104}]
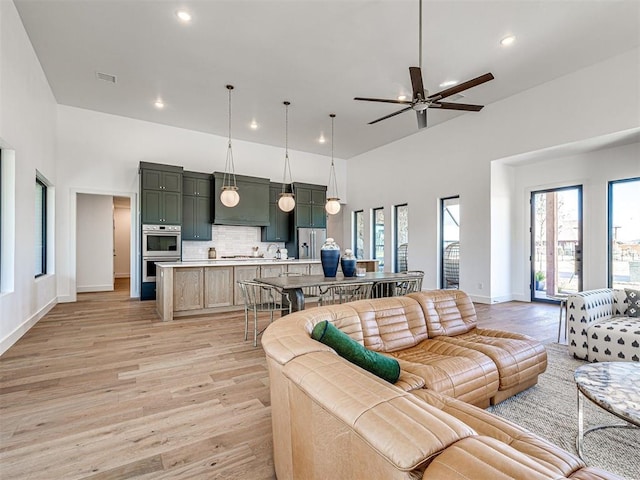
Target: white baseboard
[
  {"x": 94, "y": 288},
  {"x": 480, "y": 299},
  {"x": 23, "y": 328}
]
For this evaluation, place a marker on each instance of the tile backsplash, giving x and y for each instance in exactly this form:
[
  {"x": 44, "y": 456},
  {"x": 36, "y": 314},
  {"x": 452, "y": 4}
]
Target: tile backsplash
[{"x": 228, "y": 240}]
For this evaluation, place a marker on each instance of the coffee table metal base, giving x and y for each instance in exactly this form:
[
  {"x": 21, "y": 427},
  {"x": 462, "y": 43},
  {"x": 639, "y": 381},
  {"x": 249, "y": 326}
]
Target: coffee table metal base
[{"x": 582, "y": 432}]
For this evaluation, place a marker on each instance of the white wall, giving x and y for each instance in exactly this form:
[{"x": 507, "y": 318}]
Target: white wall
[
  {"x": 454, "y": 158},
  {"x": 27, "y": 134},
  {"x": 122, "y": 239},
  {"x": 99, "y": 153},
  {"x": 593, "y": 171},
  {"x": 94, "y": 245}
]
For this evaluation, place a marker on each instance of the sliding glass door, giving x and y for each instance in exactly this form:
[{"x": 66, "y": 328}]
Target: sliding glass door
[{"x": 556, "y": 242}]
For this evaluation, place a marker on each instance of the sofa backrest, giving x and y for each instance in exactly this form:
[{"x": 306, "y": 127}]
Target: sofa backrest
[
  {"x": 446, "y": 312},
  {"x": 390, "y": 324},
  {"x": 381, "y": 325}
]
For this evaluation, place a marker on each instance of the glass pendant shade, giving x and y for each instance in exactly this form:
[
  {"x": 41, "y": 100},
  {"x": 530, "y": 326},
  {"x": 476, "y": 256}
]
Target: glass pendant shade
[
  {"x": 286, "y": 203},
  {"x": 229, "y": 196},
  {"x": 333, "y": 206}
]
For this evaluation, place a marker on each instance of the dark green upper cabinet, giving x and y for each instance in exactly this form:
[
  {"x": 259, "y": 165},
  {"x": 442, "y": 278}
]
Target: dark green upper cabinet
[
  {"x": 310, "y": 202},
  {"x": 279, "y": 221},
  {"x": 196, "y": 206},
  {"x": 253, "y": 208},
  {"x": 161, "y": 192}
]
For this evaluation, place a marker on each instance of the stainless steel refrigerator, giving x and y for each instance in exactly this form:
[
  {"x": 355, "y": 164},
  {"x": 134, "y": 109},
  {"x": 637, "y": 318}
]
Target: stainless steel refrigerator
[{"x": 310, "y": 240}]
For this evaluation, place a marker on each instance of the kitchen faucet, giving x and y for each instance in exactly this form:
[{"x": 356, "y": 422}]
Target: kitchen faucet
[{"x": 271, "y": 245}]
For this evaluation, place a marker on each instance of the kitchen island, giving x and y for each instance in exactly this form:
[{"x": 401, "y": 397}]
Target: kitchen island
[{"x": 210, "y": 286}]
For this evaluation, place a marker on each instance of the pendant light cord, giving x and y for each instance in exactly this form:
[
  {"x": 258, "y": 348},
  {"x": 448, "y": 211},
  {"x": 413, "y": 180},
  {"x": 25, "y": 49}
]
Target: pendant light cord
[
  {"x": 287, "y": 165},
  {"x": 332, "y": 174},
  {"x": 229, "y": 167},
  {"x": 420, "y": 37}
]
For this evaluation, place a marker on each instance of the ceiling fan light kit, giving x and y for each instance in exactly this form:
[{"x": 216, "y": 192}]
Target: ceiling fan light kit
[
  {"x": 286, "y": 202},
  {"x": 229, "y": 196},
  {"x": 420, "y": 102},
  {"x": 333, "y": 202}
]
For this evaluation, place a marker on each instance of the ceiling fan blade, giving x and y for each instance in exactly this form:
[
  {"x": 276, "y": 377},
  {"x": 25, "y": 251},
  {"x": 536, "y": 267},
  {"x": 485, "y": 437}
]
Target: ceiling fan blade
[
  {"x": 461, "y": 87},
  {"x": 416, "y": 82},
  {"x": 390, "y": 115},
  {"x": 456, "y": 106},
  {"x": 383, "y": 100},
  {"x": 422, "y": 118}
]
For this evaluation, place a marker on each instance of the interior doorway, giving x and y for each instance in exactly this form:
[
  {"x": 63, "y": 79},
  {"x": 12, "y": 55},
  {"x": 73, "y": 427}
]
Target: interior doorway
[
  {"x": 103, "y": 241},
  {"x": 556, "y": 243}
]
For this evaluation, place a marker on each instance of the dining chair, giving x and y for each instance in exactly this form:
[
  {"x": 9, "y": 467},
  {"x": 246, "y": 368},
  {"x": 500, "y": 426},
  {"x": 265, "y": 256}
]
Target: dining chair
[
  {"x": 258, "y": 298},
  {"x": 350, "y": 292},
  {"x": 410, "y": 285}
]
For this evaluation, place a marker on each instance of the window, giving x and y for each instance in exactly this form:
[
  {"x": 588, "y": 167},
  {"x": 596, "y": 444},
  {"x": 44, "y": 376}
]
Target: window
[
  {"x": 41, "y": 228},
  {"x": 358, "y": 233},
  {"x": 450, "y": 242},
  {"x": 624, "y": 233},
  {"x": 378, "y": 236},
  {"x": 401, "y": 237}
]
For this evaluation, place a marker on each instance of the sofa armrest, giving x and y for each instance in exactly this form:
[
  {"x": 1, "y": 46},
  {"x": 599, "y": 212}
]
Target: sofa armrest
[
  {"x": 584, "y": 309},
  {"x": 400, "y": 427}
]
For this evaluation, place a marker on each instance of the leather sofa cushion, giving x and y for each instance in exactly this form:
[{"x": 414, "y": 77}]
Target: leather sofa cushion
[
  {"x": 399, "y": 426},
  {"x": 485, "y": 457},
  {"x": 517, "y": 356},
  {"x": 391, "y": 324},
  {"x": 446, "y": 312},
  {"x": 484, "y": 423},
  {"x": 452, "y": 370}
]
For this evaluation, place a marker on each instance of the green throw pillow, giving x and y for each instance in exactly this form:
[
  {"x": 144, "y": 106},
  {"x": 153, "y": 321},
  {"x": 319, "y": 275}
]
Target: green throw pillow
[{"x": 384, "y": 367}]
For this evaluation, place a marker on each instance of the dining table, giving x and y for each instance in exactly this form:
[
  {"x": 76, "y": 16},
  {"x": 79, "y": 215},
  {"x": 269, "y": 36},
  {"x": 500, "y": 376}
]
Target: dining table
[{"x": 293, "y": 286}]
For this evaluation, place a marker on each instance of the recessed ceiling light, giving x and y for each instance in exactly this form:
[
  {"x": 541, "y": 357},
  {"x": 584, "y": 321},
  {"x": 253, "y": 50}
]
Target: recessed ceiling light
[
  {"x": 183, "y": 16},
  {"x": 322, "y": 139},
  {"x": 253, "y": 125},
  {"x": 506, "y": 41},
  {"x": 448, "y": 83},
  {"x": 402, "y": 97},
  {"x": 159, "y": 104}
]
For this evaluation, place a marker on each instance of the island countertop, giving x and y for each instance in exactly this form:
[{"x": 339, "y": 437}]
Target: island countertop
[{"x": 233, "y": 262}]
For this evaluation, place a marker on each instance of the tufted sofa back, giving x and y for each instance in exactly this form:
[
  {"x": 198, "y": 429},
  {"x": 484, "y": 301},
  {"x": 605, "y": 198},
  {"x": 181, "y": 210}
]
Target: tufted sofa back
[
  {"x": 447, "y": 312},
  {"x": 382, "y": 325}
]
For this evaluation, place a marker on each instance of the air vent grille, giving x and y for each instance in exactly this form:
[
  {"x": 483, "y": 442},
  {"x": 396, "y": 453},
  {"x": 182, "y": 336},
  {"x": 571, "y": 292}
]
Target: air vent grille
[{"x": 106, "y": 77}]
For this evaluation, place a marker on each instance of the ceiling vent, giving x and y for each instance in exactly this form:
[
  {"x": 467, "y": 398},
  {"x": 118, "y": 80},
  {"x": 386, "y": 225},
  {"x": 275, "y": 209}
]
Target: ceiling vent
[{"x": 106, "y": 77}]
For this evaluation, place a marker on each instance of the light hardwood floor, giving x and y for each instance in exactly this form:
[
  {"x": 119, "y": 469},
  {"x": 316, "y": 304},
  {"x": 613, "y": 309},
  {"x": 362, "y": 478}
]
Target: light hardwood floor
[{"x": 101, "y": 389}]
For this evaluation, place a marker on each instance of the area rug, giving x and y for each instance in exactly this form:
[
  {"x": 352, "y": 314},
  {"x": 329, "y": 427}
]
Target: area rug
[{"x": 550, "y": 410}]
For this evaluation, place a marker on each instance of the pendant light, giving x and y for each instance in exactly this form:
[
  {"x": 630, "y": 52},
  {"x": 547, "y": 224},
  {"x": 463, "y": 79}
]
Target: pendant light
[
  {"x": 286, "y": 202},
  {"x": 333, "y": 202},
  {"x": 229, "y": 196}
]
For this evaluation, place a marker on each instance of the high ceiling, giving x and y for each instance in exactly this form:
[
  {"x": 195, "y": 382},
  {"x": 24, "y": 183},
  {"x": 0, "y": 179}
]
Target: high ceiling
[{"x": 317, "y": 54}]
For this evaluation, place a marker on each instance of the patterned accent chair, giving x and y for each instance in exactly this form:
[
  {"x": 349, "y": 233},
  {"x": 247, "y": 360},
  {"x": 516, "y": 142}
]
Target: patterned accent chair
[{"x": 599, "y": 328}]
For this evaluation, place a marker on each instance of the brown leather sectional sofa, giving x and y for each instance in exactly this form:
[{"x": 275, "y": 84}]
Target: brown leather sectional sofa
[{"x": 332, "y": 419}]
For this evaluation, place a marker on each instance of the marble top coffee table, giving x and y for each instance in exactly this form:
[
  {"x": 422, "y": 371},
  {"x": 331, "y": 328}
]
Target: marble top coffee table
[{"x": 613, "y": 386}]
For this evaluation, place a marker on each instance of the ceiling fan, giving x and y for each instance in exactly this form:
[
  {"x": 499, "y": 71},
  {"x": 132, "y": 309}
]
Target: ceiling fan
[{"x": 421, "y": 101}]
